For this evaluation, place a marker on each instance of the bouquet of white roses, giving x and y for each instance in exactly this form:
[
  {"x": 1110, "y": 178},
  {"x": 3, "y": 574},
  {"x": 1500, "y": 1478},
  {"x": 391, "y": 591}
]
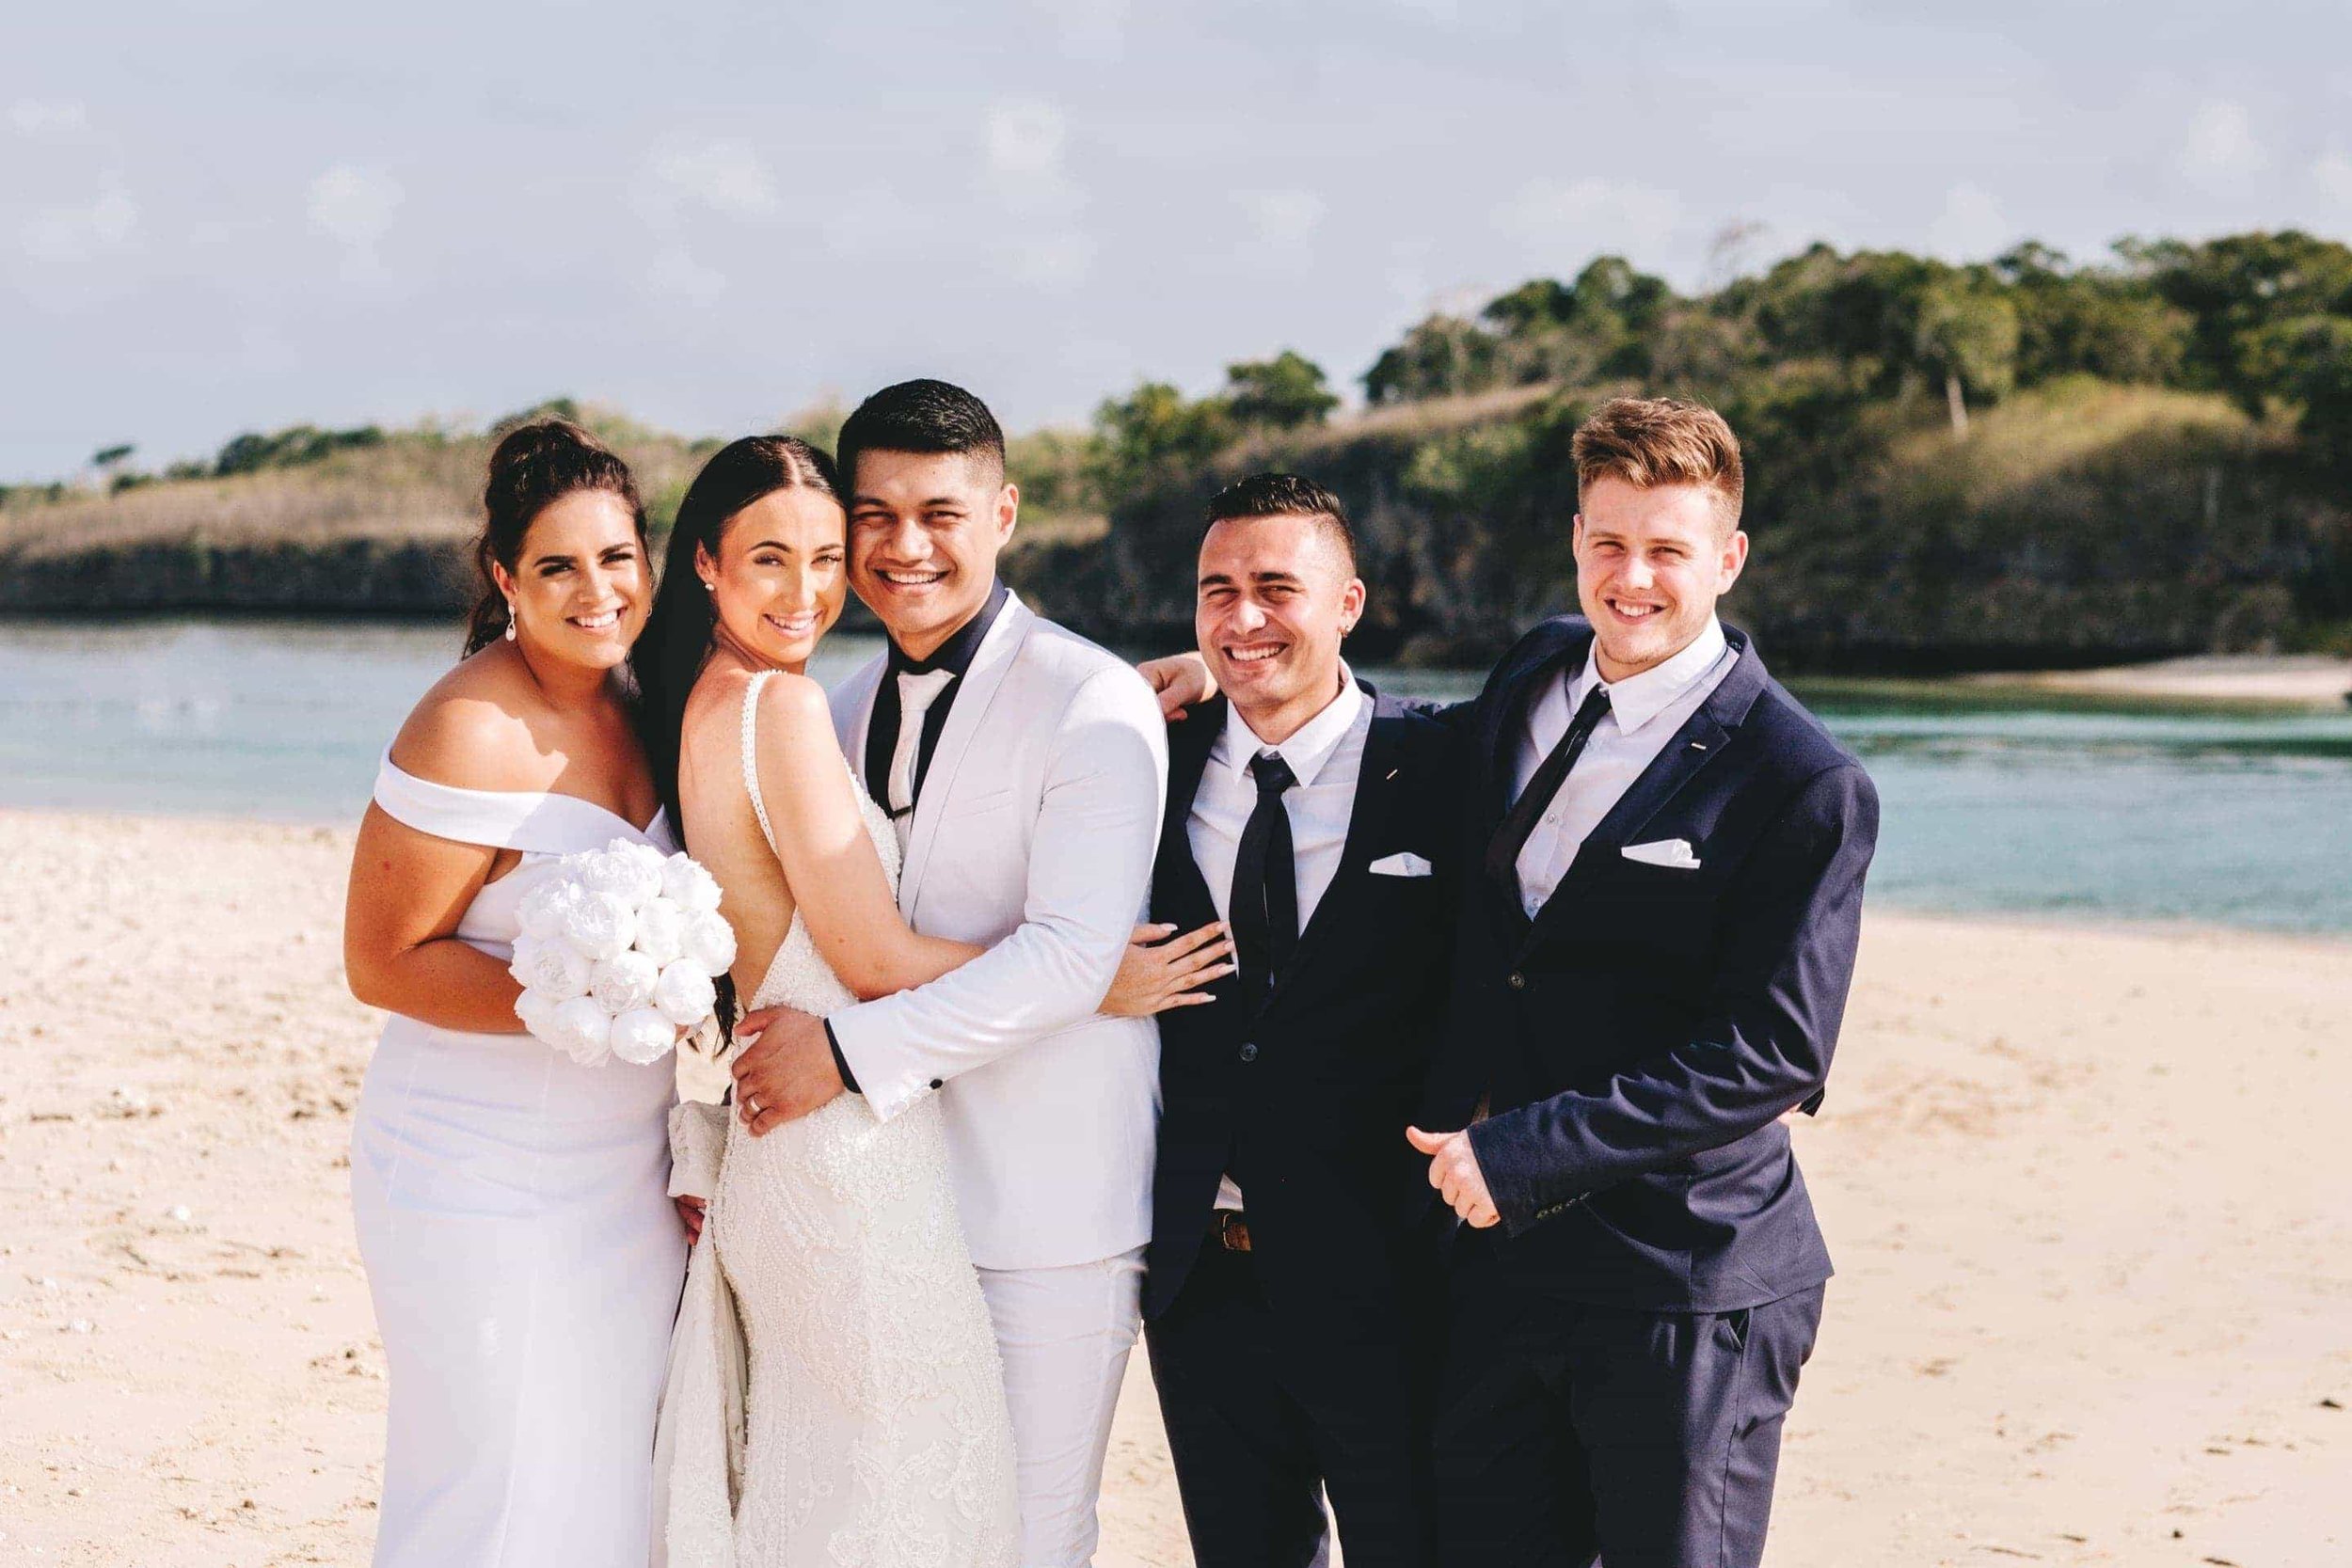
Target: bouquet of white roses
[{"x": 619, "y": 950}]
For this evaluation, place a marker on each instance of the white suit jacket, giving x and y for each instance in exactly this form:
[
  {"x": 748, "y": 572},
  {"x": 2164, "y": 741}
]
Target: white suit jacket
[{"x": 1033, "y": 836}]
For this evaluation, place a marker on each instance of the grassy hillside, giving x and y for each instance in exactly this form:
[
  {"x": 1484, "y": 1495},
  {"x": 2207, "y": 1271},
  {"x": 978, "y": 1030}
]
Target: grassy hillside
[
  {"x": 380, "y": 527},
  {"x": 2014, "y": 463},
  {"x": 2075, "y": 523}
]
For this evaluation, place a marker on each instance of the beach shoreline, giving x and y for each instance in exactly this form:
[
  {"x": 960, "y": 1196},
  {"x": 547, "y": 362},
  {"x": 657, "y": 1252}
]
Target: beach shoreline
[
  {"x": 2314, "y": 682},
  {"x": 2080, "y": 1179}
]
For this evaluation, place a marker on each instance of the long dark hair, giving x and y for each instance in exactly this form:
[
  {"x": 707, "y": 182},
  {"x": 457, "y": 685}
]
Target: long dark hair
[
  {"x": 677, "y": 639},
  {"x": 535, "y": 465}
]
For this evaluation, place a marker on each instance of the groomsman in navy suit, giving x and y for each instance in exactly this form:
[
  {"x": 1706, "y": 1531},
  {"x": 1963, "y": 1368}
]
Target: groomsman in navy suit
[
  {"x": 1663, "y": 864},
  {"x": 1289, "y": 1294}
]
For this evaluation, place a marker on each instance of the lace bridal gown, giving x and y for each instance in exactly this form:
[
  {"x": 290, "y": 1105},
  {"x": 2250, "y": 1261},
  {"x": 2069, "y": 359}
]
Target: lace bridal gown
[{"x": 866, "y": 1425}]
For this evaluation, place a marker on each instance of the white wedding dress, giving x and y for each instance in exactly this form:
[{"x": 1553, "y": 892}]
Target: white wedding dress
[
  {"x": 873, "y": 1431},
  {"x": 521, "y": 1251}
]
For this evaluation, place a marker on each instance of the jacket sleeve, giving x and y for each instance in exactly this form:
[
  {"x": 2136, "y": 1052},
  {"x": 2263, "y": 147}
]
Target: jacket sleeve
[
  {"x": 1791, "y": 920},
  {"x": 1090, "y": 878}
]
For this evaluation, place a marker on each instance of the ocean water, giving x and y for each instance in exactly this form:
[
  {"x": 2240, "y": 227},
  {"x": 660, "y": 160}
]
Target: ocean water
[{"x": 2045, "y": 808}]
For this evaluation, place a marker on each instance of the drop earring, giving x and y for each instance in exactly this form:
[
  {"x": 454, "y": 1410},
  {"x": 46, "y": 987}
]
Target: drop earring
[{"x": 510, "y": 620}]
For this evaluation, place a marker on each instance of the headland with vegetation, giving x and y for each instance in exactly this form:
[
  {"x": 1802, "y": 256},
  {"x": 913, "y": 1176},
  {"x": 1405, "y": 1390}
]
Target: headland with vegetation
[{"x": 2024, "y": 463}]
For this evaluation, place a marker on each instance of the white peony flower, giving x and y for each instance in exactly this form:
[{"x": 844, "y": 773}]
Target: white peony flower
[
  {"x": 662, "y": 930},
  {"x": 539, "y": 911},
  {"x": 582, "y": 1029},
  {"x": 623, "y": 981},
  {"x": 710, "y": 941},
  {"x": 599, "y": 924},
  {"x": 536, "y": 1008},
  {"x": 643, "y": 1035},
  {"x": 684, "y": 994},
  {"x": 620, "y": 870},
  {"x": 684, "y": 882},
  {"x": 549, "y": 967}
]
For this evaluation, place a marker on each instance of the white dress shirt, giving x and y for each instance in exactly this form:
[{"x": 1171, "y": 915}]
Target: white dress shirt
[
  {"x": 1326, "y": 754},
  {"x": 1644, "y": 713}
]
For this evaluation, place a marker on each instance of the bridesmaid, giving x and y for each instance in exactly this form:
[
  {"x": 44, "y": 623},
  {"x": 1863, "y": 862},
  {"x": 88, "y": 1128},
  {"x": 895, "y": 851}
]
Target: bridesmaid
[{"x": 512, "y": 1204}]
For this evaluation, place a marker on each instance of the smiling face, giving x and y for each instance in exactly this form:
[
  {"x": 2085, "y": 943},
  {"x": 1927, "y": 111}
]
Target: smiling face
[
  {"x": 781, "y": 576},
  {"x": 1275, "y": 599},
  {"x": 925, "y": 529},
  {"x": 580, "y": 587},
  {"x": 1650, "y": 564}
]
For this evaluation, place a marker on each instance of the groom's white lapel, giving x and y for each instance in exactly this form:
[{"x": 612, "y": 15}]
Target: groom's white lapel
[{"x": 990, "y": 665}]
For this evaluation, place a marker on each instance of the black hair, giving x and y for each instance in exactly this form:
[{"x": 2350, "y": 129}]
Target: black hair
[
  {"x": 677, "y": 639},
  {"x": 1272, "y": 494},
  {"x": 535, "y": 465},
  {"x": 920, "y": 415}
]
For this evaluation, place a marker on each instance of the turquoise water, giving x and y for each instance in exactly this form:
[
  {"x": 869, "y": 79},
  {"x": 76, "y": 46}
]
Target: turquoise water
[{"x": 2043, "y": 808}]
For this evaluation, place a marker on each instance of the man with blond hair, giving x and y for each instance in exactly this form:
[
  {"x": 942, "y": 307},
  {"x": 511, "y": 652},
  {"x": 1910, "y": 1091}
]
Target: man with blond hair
[{"x": 1665, "y": 856}]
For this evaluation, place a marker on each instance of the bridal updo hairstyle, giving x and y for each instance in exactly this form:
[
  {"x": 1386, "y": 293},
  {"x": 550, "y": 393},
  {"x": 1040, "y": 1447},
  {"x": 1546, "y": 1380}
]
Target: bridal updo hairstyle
[
  {"x": 676, "y": 638},
  {"x": 533, "y": 467}
]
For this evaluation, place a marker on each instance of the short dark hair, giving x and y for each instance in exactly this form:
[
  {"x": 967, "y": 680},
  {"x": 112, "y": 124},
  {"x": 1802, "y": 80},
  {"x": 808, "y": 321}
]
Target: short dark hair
[
  {"x": 1272, "y": 494},
  {"x": 918, "y": 416}
]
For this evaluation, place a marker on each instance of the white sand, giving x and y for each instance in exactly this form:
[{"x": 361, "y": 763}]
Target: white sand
[
  {"x": 2087, "y": 1190},
  {"x": 2294, "y": 680}
]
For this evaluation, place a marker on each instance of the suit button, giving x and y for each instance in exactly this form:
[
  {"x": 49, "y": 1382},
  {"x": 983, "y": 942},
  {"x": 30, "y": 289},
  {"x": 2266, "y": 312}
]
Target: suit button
[
  {"x": 936, "y": 1081},
  {"x": 1249, "y": 1052},
  {"x": 1519, "y": 981}
]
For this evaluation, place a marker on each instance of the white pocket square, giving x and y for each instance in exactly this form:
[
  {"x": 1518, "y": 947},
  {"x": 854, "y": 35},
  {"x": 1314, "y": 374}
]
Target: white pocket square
[
  {"x": 1672, "y": 853},
  {"x": 1403, "y": 863}
]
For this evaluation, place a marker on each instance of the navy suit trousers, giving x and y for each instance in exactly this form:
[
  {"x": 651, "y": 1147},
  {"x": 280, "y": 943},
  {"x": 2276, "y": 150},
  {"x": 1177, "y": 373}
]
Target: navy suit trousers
[
  {"x": 1567, "y": 1433},
  {"x": 1262, "y": 1430}
]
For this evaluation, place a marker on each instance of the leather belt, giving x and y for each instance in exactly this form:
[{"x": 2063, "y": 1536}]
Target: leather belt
[{"x": 1233, "y": 1231}]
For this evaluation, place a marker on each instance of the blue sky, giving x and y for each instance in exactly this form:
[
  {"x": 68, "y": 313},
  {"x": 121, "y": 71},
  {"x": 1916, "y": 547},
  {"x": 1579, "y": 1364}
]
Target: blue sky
[{"x": 216, "y": 217}]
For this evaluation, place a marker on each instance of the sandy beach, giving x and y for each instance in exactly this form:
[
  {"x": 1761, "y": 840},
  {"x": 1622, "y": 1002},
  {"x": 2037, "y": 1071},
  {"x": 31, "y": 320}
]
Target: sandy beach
[
  {"x": 2087, "y": 1191},
  {"x": 2312, "y": 681}
]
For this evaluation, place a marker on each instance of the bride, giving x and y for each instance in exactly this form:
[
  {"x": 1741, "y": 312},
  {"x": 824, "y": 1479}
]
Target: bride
[{"x": 877, "y": 1431}]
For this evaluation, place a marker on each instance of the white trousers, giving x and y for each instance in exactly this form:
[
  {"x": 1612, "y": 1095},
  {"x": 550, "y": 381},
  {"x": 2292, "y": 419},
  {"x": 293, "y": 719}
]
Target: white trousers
[{"x": 1064, "y": 1335}]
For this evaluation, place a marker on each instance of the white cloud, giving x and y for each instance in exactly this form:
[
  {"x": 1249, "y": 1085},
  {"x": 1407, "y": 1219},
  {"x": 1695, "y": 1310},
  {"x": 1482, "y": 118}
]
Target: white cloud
[
  {"x": 2221, "y": 144},
  {"x": 1591, "y": 216},
  {"x": 35, "y": 117},
  {"x": 874, "y": 220},
  {"x": 1284, "y": 223},
  {"x": 1090, "y": 29},
  {"x": 1026, "y": 138},
  {"x": 676, "y": 276},
  {"x": 77, "y": 233},
  {"x": 2332, "y": 174},
  {"x": 1025, "y": 146},
  {"x": 1970, "y": 227},
  {"x": 1056, "y": 259},
  {"x": 353, "y": 206},
  {"x": 725, "y": 176}
]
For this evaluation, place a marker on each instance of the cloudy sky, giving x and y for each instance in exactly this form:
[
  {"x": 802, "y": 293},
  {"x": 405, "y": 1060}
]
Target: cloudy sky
[{"x": 224, "y": 217}]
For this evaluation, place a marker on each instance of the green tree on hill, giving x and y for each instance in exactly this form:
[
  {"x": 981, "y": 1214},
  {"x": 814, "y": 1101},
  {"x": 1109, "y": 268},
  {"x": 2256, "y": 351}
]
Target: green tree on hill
[
  {"x": 1280, "y": 393},
  {"x": 1968, "y": 336}
]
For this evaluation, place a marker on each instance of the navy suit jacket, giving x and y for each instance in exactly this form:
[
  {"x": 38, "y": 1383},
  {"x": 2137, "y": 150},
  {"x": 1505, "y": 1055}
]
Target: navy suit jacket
[
  {"x": 1637, "y": 1041},
  {"x": 1305, "y": 1097}
]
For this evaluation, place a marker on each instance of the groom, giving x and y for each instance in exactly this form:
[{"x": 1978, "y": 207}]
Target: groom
[{"x": 1024, "y": 768}]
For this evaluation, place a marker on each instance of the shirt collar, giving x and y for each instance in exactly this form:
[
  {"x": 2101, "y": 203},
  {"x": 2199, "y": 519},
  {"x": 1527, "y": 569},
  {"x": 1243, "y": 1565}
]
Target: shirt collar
[
  {"x": 1310, "y": 747},
  {"x": 1636, "y": 700},
  {"x": 955, "y": 656}
]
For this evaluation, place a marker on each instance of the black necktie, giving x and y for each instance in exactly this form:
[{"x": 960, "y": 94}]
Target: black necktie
[
  {"x": 1264, "y": 907},
  {"x": 1503, "y": 854}
]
